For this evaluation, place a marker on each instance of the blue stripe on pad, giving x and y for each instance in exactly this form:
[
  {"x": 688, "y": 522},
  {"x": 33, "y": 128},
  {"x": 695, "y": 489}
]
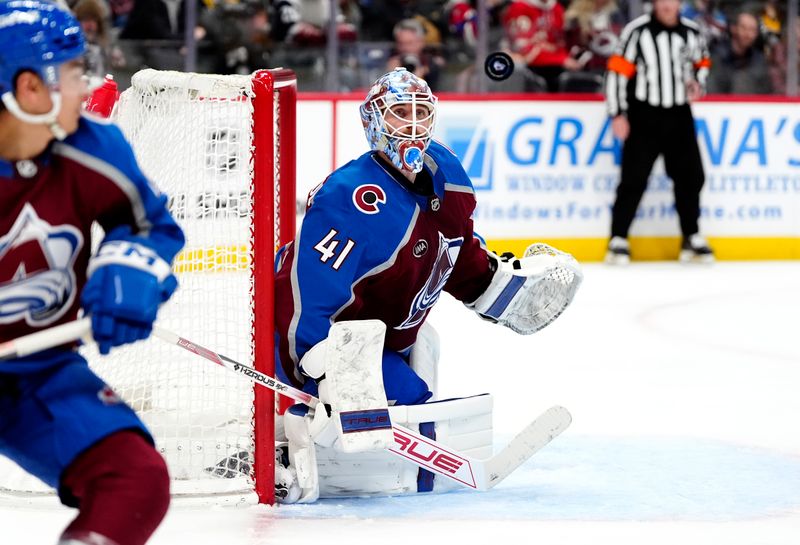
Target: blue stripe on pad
[
  {"x": 425, "y": 478},
  {"x": 505, "y": 297}
]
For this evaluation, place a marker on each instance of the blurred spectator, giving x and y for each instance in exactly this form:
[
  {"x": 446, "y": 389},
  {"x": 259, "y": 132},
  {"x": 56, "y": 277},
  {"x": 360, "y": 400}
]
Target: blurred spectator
[
  {"x": 93, "y": 17},
  {"x": 381, "y": 16},
  {"x": 592, "y": 32},
  {"x": 462, "y": 18},
  {"x": 739, "y": 66},
  {"x": 305, "y": 22},
  {"x": 239, "y": 36},
  {"x": 103, "y": 53},
  {"x": 770, "y": 23},
  {"x": 160, "y": 21},
  {"x": 120, "y": 9},
  {"x": 779, "y": 60},
  {"x": 157, "y": 20},
  {"x": 708, "y": 17},
  {"x": 535, "y": 33},
  {"x": 411, "y": 52}
]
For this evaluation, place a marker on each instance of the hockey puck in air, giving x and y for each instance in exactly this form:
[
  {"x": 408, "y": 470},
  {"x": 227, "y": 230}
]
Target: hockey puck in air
[{"x": 498, "y": 66}]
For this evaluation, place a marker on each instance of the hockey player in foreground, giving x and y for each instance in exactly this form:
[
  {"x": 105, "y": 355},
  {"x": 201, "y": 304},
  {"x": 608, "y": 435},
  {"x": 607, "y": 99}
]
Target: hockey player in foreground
[
  {"x": 60, "y": 172},
  {"x": 381, "y": 238}
]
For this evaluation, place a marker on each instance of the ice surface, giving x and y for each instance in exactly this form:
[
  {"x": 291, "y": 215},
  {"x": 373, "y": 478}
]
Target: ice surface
[{"x": 683, "y": 385}]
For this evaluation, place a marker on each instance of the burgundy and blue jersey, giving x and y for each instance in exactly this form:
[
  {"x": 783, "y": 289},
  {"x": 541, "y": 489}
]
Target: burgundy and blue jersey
[
  {"x": 47, "y": 207},
  {"x": 373, "y": 245}
]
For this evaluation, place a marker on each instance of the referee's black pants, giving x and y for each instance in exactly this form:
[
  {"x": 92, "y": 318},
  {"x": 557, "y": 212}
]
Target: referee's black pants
[{"x": 656, "y": 131}]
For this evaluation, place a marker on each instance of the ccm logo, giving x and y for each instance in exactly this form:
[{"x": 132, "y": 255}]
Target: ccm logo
[{"x": 434, "y": 457}]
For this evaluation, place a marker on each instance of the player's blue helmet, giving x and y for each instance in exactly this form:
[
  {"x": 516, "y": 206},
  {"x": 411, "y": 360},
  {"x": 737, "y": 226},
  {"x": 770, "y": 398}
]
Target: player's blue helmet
[
  {"x": 404, "y": 138},
  {"x": 38, "y": 36}
]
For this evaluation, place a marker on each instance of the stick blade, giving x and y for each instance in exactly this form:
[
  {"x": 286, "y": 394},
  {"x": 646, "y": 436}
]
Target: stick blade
[{"x": 528, "y": 442}]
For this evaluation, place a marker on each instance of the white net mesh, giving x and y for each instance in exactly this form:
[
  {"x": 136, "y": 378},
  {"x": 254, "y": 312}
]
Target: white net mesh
[{"x": 193, "y": 137}]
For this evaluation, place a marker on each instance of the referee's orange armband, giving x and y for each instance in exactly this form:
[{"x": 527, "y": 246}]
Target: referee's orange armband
[
  {"x": 621, "y": 65},
  {"x": 705, "y": 62}
]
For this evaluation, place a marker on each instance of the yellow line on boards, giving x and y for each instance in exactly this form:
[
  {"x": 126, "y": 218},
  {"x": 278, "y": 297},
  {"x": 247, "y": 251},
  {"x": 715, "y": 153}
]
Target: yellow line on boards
[
  {"x": 663, "y": 248},
  {"x": 237, "y": 258},
  {"x": 213, "y": 259}
]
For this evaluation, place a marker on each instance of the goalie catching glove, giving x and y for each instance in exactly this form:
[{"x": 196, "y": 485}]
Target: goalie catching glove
[
  {"x": 528, "y": 294},
  {"x": 127, "y": 283}
]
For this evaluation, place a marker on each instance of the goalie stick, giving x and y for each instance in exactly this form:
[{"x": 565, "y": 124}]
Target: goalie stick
[{"x": 420, "y": 450}]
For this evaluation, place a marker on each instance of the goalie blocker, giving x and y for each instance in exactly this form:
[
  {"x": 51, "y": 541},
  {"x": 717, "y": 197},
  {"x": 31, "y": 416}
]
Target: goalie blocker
[{"x": 347, "y": 368}]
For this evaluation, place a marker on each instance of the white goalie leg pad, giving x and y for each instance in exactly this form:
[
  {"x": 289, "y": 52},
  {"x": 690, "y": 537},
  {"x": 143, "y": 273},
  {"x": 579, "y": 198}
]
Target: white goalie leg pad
[
  {"x": 464, "y": 424},
  {"x": 351, "y": 361},
  {"x": 528, "y": 294},
  {"x": 424, "y": 357}
]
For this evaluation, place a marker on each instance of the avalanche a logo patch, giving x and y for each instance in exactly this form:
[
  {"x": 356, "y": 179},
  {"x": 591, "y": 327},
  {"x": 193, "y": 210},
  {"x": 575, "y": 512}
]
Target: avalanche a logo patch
[
  {"x": 440, "y": 273},
  {"x": 367, "y": 196},
  {"x": 37, "y": 279}
]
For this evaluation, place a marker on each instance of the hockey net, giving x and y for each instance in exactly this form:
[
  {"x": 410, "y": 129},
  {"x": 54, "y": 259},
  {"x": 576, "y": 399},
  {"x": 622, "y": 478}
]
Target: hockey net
[{"x": 222, "y": 149}]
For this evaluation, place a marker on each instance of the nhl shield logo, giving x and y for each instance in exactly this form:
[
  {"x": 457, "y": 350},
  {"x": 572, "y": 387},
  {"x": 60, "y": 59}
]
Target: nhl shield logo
[
  {"x": 108, "y": 396},
  {"x": 27, "y": 168}
]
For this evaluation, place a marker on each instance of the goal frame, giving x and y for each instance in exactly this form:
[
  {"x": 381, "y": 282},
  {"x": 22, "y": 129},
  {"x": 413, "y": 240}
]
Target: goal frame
[{"x": 274, "y": 90}]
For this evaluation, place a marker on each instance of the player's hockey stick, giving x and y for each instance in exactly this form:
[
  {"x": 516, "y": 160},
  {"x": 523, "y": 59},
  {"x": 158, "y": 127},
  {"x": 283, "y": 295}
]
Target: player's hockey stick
[
  {"x": 418, "y": 449},
  {"x": 44, "y": 339}
]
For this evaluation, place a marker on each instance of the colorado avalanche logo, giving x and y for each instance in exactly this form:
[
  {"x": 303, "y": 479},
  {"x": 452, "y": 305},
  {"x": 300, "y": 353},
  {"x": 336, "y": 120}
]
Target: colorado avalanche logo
[
  {"x": 366, "y": 198},
  {"x": 440, "y": 273},
  {"x": 37, "y": 280}
]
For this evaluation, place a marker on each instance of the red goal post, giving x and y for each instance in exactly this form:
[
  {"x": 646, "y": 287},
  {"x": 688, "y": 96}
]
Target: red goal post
[{"x": 279, "y": 174}]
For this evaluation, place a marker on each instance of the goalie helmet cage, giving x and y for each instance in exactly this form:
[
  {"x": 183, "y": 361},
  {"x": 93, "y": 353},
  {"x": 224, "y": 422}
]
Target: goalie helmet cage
[{"x": 222, "y": 149}]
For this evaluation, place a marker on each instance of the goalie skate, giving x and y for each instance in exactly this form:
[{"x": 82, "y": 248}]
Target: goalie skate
[{"x": 287, "y": 489}]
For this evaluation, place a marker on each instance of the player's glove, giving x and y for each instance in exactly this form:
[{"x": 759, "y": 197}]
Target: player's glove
[{"x": 127, "y": 283}]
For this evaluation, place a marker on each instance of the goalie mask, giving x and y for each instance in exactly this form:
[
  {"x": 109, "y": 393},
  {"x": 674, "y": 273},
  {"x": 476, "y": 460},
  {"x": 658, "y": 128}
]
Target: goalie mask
[
  {"x": 399, "y": 115},
  {"x": 36, "y": 36}
]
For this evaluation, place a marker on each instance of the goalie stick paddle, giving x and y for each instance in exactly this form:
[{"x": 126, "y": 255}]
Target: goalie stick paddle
[{"x": 410, "y": 445}]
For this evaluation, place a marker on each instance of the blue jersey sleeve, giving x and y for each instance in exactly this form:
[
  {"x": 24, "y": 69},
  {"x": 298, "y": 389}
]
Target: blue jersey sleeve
[{"x": 125, "y": 203}]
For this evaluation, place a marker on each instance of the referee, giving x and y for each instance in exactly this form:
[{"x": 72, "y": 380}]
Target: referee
[{"x": 659, "y": 68}]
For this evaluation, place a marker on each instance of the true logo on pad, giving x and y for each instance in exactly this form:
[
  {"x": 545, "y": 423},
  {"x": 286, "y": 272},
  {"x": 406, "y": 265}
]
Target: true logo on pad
[{"x": 369, "y": 420}]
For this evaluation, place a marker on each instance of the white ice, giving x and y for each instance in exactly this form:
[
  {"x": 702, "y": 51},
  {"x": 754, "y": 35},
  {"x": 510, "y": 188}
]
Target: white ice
[{"x": 683, "y": 384}]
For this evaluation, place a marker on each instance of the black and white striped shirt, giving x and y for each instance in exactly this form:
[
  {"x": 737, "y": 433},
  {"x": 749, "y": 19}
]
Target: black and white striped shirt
[{"x": 653, "y": 63}]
